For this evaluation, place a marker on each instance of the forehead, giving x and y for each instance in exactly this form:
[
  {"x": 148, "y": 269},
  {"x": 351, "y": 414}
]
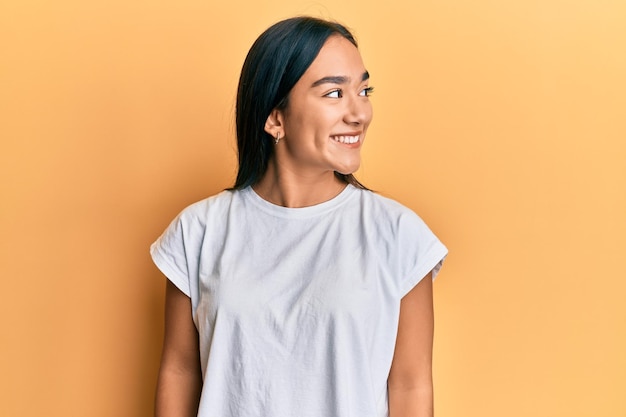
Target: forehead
[{"x": 338, "y": 57}]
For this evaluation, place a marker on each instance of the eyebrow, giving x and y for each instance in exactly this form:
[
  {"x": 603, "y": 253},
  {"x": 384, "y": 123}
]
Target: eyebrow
[{"x": 338, "y": 79}]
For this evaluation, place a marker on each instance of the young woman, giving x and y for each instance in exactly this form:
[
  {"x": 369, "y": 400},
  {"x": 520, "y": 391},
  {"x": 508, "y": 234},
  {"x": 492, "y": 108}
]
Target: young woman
[{"x": 298, "y": 292}]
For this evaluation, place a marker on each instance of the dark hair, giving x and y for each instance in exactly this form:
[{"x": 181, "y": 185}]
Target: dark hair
[{"x": 274, "y": 64}]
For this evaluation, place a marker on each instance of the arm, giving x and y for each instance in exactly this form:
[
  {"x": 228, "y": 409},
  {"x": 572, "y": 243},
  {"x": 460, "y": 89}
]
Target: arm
[
  {"x": 410, "y": 382},
  {"x": 180, "y": 378}
]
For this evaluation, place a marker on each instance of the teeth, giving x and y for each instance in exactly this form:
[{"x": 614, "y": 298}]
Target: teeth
[{"x": 345, "y": 139}]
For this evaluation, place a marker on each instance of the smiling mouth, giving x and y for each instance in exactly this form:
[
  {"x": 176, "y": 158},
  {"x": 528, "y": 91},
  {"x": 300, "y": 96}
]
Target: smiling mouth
[{"x": 345, "y": 139}]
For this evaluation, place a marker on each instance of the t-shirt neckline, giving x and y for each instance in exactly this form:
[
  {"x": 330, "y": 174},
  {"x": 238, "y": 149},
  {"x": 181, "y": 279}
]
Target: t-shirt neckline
[{"x": 299, "y": 212}]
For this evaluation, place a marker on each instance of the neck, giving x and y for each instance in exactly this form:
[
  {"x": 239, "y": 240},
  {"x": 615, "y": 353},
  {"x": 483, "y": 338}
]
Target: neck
[{"x": 290, "y": 189}]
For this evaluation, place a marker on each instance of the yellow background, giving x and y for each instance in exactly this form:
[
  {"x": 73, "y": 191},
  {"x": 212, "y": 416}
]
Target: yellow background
[{"x": 502, "y": 123}]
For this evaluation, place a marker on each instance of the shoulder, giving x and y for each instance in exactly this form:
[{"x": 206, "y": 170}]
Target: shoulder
[
  {"x": 395, "y": 225},
  {"x": 404, "y": 240},
  {"x": 386, "y": 203},
  {"x": 387, "y": 210},
  {"x": 189, "y": 228},
  {"x": 202, "y": 211}
]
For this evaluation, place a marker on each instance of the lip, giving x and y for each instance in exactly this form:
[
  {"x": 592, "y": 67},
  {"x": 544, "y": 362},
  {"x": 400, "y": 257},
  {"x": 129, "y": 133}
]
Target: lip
[{"x": 355, "y": 133}]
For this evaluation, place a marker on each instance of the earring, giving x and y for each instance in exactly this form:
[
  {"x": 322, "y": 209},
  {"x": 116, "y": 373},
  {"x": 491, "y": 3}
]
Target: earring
[{"x": 277, "y": 139}]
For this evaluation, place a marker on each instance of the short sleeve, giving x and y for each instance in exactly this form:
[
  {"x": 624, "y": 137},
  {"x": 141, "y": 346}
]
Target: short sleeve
[
  {"x": 169, "y": 255},
  {"x": 420, "y": 250}
]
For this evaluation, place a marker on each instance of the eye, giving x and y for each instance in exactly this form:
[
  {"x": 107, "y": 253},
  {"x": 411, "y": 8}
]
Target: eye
[
  {"x": 366, "y": 92},
  {"x": 334, "y": 94}
]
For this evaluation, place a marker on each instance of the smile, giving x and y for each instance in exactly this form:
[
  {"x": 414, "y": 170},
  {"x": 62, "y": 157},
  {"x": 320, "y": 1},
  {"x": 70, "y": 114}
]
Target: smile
[{"x": 345, "y": 139}]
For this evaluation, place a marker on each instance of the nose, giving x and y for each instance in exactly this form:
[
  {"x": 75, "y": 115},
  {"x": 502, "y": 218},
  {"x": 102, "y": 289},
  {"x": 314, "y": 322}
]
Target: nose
[{"x": 358, "y": 111}]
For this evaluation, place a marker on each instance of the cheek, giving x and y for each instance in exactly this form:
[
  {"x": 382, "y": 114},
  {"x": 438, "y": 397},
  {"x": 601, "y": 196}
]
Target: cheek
[
  {"x": 312, "y": 125},
  {"x": 302, "y": 134},
  {"x": 369, "y": 114}
]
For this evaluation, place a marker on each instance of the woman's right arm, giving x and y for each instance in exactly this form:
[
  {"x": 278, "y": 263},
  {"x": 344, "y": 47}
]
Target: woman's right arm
[{"x": 180, "y": 378}]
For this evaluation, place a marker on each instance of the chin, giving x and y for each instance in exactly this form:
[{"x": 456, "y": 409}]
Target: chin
[{"x": 347, "y": 170}]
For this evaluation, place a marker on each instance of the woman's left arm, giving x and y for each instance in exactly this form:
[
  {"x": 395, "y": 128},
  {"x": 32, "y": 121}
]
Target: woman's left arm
[{"x": 410, "y": 382}]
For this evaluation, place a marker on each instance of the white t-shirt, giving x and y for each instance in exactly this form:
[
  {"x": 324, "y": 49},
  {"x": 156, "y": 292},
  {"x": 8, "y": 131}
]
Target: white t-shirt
[{"x": 296, "y": 308}]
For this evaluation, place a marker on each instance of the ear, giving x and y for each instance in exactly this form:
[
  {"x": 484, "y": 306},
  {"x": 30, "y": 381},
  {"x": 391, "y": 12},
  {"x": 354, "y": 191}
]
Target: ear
[{"x": 274, "y": 123}]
